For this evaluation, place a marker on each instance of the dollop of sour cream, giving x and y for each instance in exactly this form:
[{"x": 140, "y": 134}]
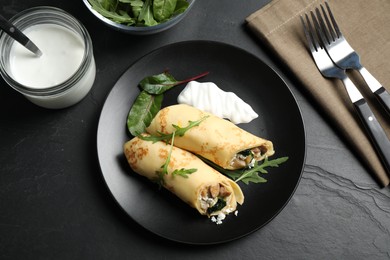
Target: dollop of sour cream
[{"x": 207, "y": 96}]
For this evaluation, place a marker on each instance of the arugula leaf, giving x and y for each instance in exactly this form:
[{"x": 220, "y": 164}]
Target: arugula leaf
[
  {"x": 141, "y": 114},
  {"x": 146, "y": 14},
  {"x": 248, "y": 175},
  {"x": 159, "y": 179},
  {"x": 251, "y": 175},
  {"x": 180, "y": 131},
  {"x": 184, "y": 172},
  {"x": 166, "y": 164},
  {"x": 255, "y": 178},
  {"x": 136, "y": 6}
]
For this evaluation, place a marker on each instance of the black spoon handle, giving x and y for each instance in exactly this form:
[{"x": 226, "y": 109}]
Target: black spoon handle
[{"x": 17, "y": 35}]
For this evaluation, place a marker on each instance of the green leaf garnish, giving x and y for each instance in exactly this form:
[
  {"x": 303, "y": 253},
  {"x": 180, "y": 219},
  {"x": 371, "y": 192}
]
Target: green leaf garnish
[
  {"x": 141, "y": 114},
  {"x": 180, "y": 131},
  {"x": 180, "y": 172},
  {"x": 184, "y": 172},
  {"x": 149, "y": 101},
  {"x": 158, "y": 84},
  {"x": 159, "y": 179},
  {"x": 248, "y": 175},
  {"x": 251, "y": 175},
  {"x": 165, "y": 165}
]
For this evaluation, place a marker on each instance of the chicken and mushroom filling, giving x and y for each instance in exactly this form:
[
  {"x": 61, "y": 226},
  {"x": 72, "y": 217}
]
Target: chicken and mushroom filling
[
  {"x": 213, "y": 198},
  {"x": 247, "y": 158}
]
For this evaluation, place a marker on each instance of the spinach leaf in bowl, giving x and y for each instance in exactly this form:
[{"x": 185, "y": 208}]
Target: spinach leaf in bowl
[{"x": 139, "y": 12}]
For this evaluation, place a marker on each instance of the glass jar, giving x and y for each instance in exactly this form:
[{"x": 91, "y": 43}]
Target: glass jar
[{"x": 56, "y": 79}]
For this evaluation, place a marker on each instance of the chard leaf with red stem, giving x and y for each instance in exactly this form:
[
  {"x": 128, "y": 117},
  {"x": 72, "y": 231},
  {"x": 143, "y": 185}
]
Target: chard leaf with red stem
[{"x": 158, "y": 84}]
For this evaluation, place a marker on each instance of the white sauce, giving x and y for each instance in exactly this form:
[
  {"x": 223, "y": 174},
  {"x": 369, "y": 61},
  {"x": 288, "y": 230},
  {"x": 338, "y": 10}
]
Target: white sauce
[
  {"x": 63, "y": 51},
  {"x": 210, "y": 98}
]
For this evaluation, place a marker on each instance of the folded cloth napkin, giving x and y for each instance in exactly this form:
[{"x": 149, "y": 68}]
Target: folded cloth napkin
[{"x": 365, "y": 24}]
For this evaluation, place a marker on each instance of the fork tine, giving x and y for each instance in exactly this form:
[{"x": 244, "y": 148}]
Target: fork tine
[
  {"x": 322, "y": 30},
  {"x": 308, "y": 33},
  {"x": 329, "y": 25},
  {"x": 318, "y": 28},
  {"x": 314, "y": 38},
  {"x": 336, "y": 27}
]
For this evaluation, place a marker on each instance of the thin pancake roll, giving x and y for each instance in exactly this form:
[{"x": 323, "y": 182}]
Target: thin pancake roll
[
  {"x": 205, "y": 189},
  {"x": 215, "y": 139}
]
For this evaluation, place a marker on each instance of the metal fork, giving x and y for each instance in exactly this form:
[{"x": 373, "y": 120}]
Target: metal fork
[
  {"x": 345, "y": 56},
  {"x": 330, "y": 70}
]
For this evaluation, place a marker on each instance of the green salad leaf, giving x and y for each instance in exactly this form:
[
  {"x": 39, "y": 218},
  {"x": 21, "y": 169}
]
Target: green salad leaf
[
  {"x": 139, "y": 12},
  {"x": 144, "y": 109},
  {"x": 163, "y": 9},
  {"x": 158, "y": 84},
  {"x": 146, "y": 15},
  {"x": 110, "y": 10},
  {"x": 148, "y": 102}
]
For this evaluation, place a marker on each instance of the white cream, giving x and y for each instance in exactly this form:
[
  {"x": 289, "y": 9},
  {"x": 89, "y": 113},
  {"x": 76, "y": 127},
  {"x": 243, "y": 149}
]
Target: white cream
[
  {"x": 63, "y": 51},
  {"x": 209, "y": 97}
]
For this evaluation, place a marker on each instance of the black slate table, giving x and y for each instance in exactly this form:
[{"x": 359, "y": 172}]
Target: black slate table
[{"x": 54, "y": 203}]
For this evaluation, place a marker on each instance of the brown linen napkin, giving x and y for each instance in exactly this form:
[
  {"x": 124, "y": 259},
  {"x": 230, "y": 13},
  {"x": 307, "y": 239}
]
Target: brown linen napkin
[{"x": 365, "y": 24}]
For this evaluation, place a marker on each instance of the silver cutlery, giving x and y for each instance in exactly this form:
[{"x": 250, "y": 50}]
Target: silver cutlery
[
  {"x": 330, "y": 70},
  {"x": 345, "y": 56}
]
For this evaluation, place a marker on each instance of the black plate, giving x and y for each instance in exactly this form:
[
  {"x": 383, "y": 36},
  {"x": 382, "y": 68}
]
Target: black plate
[{"x": 232, "y": 69}]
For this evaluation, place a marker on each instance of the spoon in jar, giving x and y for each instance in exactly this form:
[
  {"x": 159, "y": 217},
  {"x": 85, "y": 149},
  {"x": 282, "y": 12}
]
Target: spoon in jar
[{"x": 17, "y": 35}]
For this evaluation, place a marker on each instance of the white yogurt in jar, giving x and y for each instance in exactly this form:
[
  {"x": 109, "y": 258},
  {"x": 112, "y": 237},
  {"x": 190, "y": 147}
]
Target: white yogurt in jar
[
  {"x": 207, "y": 96},
  {"x": 63, "y": 52}
]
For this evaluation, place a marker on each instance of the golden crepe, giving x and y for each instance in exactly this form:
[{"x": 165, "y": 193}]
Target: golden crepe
[
  {"x": 215, "y": 139},
  {"x": 206, "y": 190}
]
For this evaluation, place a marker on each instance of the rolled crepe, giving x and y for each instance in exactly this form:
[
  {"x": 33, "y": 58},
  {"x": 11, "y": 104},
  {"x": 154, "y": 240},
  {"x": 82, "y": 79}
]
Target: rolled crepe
[
  {"x": 206, "y": 190},
  {"x": 215, "y": 139}
]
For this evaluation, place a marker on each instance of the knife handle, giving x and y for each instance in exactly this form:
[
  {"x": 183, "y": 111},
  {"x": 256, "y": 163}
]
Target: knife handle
[
  {"x": 377, "y": 134},
  {"x": 376, "y": 87},
  {"x": 384, "y": 98}
]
